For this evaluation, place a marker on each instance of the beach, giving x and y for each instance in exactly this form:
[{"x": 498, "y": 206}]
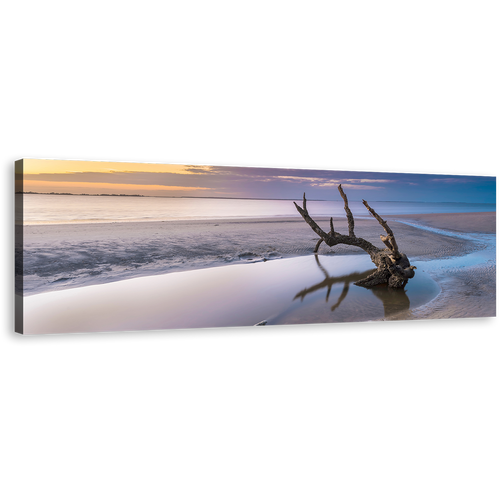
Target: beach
[{"x": 68, "y": 256}]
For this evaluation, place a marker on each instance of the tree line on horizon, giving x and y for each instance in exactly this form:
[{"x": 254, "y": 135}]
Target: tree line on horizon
[{"x": 80, "y": 194}]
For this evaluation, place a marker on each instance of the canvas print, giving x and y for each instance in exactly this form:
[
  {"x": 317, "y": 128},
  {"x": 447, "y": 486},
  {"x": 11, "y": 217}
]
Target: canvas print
[{"x": 113, "y": 246}]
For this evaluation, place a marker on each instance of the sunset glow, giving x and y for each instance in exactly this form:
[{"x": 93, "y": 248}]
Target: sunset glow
[
  {"x": 47, "y": 176},
  {"x": 70, "y": 166},
  {"x": 174, "y": 180}
]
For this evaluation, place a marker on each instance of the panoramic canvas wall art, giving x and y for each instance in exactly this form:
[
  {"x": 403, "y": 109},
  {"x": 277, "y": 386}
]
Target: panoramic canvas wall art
[{"x": 113, "y": 246}]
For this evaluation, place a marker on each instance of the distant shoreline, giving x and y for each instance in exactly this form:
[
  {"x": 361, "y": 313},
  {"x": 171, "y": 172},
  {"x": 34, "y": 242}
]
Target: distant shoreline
[
  {"x": 174, "y": 197},
  {"x": 233, "y": 198},
  {"x": 86, "y": 194}
]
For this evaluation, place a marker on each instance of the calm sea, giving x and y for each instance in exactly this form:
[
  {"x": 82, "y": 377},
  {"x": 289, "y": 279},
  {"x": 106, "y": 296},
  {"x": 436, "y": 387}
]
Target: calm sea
[{"x": 63, "y": 209}]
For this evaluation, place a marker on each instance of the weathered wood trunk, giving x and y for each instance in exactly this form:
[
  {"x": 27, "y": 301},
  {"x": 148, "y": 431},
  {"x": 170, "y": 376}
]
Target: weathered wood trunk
[{"x": 393, "y": 267}]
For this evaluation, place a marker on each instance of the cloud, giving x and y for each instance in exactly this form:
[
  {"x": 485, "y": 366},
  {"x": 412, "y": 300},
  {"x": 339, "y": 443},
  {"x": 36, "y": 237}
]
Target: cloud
[
  {"x": 266, "y": 174},
  {"x": 326, "y": 179},
  {"x": 322, "y": 181},
  {"x": 292, "y": 178},
  {"x": 371, "y": 181},
  {"x": 455, "y": 180},
  {"x": 346, "y": 185},
  {"x": 203, "y": 169}
]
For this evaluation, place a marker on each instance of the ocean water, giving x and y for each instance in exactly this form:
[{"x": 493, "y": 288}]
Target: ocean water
[{"x": 67, "y": 209}]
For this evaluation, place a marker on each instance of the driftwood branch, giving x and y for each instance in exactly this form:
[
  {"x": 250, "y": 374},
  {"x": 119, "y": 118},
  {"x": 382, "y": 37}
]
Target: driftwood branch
[
  {"x": 389, "y": 240},
  {"x": 305, "y": 215},
  {"x": 350, "y": 218},
  {"x": 393, "y": 267},
  {"x": 332, "y": 231},
  {"x": 333, "y": 238}
]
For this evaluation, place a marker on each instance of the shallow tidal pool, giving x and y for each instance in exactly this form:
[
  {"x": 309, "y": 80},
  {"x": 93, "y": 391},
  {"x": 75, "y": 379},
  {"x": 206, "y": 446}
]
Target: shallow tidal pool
[{"x": 301, "y": 290}]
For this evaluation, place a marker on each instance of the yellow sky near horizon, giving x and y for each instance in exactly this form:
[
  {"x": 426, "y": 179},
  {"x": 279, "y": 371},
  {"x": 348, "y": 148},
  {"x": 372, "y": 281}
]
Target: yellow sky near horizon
[{"x": 34, "y": 167}]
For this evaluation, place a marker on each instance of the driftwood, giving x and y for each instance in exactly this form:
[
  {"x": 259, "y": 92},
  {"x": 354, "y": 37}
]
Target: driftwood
[{"x": 393, "y": 267}]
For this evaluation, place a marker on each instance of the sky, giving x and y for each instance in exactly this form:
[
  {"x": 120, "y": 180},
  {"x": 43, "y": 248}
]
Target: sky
[{"x": 148, "y": 179}]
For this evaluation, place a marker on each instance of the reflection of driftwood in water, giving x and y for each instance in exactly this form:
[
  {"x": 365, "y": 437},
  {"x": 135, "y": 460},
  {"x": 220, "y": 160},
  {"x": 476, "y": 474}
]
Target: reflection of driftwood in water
[
  {"x": 394, "y": 299},
  {"x": 328, "y": 282}
]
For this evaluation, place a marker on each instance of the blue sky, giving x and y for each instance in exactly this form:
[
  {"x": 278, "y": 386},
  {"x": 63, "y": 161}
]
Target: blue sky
[{"x": 251, "y": 182}]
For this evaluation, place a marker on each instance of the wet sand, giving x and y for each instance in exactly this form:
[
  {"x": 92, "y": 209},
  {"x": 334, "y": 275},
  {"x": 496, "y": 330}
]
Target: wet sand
[
  {"x": 456, "y": 250},
  {"x": 470, "y": 222},
  {"x": 72, "y": 255}
]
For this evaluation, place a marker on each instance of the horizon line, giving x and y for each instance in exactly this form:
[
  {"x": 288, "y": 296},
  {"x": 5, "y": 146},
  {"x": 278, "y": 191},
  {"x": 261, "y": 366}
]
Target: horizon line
[{"x": 239, "y": 198}]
